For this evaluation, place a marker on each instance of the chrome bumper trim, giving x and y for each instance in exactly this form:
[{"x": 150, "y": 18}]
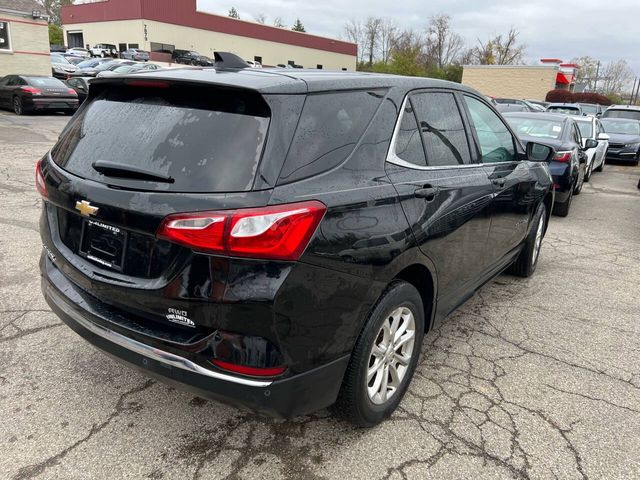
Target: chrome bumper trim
[{"x": 147, "y": 350}]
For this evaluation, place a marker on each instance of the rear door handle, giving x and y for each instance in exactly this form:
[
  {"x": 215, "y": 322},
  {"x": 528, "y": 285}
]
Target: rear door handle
[
  {"x": 499, "y": 182},
  {"x": 428, "y": 192}
]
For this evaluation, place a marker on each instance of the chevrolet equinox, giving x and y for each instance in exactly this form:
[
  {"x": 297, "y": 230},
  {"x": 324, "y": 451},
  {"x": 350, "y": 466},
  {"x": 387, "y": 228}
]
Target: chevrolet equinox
[{"x": 282, "y": 241}]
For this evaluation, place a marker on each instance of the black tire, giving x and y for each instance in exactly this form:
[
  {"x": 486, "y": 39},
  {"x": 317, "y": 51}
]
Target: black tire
[
  {"x": 526, "y": 263},
  {"x": 354, "y": 403},
  {"x": 562, "y": 209},
  {"x": 101, "y": 54},
  {"x": 579, "y": 184},
  {"x": 587, "y": 174},
  {"x": 18, "y": 109}
]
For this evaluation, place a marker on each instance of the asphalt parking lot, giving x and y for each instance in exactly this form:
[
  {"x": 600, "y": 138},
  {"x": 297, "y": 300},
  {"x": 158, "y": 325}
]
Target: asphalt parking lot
[{"x": 535, "y": 378}]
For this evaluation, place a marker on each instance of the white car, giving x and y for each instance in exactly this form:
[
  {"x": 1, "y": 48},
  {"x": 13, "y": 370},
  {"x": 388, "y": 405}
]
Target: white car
[
  {"x": 591, "y": 127},
  {"x": 78, "y": 52},
  {"x": 253, "y": 64}
]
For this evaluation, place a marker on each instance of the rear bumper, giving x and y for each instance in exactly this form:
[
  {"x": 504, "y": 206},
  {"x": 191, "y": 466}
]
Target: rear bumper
[
  {"x": 296, "y": 395},
  {"x": 54, "y": 104}
]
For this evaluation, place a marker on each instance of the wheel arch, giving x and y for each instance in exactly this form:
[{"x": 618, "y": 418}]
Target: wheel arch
[{"x": 425, "y": 282}]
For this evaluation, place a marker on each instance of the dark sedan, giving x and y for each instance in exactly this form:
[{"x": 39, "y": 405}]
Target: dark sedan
[
  {"x": 30, "y": 93},
  {"x": 624, "y": 139},
  {"x": 568, "y": 164}
]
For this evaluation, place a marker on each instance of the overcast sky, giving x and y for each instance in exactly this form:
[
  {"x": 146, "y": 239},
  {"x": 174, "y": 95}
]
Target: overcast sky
[{"x": 607, "y": 30}]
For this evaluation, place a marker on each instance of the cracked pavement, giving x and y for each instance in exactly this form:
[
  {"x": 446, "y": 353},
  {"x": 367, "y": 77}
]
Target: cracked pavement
[{"x": 531, "y": 378}]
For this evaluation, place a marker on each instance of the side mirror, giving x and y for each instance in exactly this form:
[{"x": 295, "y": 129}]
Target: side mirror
[
  {"x": 590, "y": 143},
  {"x": 537, "y": 152},
  {"x": 603, "y": 136}
]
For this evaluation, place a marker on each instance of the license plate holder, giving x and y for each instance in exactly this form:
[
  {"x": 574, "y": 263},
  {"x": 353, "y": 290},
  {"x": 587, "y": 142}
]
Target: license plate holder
[{"x": 103, "y": 244}]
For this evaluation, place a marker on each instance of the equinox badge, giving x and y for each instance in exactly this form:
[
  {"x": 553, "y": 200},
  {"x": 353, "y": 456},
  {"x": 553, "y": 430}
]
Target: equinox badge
[{"x": 85, "y": 208}]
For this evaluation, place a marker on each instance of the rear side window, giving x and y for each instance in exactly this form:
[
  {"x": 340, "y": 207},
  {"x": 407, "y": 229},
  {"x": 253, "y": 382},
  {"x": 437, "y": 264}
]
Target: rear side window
[
  {"x": 204, "y": 139},
  {"x": 445, "y": 140},
  {"x": 408, "y": 141},
  {"x": 328, "y": 130}
]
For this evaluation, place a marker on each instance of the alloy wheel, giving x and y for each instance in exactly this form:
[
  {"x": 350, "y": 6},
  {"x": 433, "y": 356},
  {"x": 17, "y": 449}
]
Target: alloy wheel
[
  {"x": 538, "y": 241},
  {"x": 391, "y": 355},
  {"x": 17, "y": 106}
]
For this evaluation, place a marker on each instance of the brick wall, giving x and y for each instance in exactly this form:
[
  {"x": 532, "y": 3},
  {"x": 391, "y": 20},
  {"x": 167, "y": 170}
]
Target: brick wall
[
  {"x": 29, "y": 52},
  {"x": 511, "y": 81}
]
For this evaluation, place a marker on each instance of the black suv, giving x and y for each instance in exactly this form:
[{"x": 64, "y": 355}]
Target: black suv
[
  {"x": 280, "y": 241},
  {"x": 191, "y": 58}
]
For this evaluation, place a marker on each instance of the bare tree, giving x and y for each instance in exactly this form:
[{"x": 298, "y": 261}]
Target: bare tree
[
  {"x": 233, "y": 13},
  {"x": 586, "y": 74},
  {"x": 616, "y": 76},
  {"x": 388, "y": 35},
  {"x": 500, "y": 50},
  {"x": 443, "y": 45},
  {"x": 52, "y": 9},
  {"x": 260, "y": 18},
  {"x": 354, "y": 31},
  {"x": 372, "y": 36},
  {"x": 277, "y": 22},
  {"x": 507, "y": 51}
]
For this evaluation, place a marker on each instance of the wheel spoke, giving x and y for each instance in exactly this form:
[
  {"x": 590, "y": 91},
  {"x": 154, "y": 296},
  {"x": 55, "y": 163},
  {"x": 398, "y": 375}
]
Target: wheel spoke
[
  {"x": 396, "y": 317},
  {"x": 403, "y": 340},
  {"x": 384, "y": 384},
  {"x": 402, "y": 359},
  {"x": 377, "y": 350},
  {"x": 395, "y": 378},
  {"x": 374, "y": 369}
]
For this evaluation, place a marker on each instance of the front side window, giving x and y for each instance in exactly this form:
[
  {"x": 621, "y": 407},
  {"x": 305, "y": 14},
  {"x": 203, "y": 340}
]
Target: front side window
[
  {"x": 5, "y": 41},
  {"x": 495, "y": 140},
  {"x": 586, "y": 129},
  {"x": 443, "y": 134}
]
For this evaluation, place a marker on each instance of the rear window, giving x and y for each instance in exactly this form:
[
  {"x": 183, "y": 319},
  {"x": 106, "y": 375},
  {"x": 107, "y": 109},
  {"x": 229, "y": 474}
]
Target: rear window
[
  {"x": 535, "y": 127},
  {"x": 329, "y": 129},
  {"x": 586, "y": 129},
  {"x": 44, "y": 82},
  {"x": 569, "y": 110},
  {"x": 204, "y": 139},
  {"x": 627, "y": 114}
]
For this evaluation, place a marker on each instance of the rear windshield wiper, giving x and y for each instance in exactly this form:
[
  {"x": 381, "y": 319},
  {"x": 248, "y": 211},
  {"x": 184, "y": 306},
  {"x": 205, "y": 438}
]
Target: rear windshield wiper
[{"x": 113, "y": 169}]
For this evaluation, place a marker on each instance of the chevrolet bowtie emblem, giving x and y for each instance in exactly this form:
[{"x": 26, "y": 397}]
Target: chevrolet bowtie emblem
[{"x": 85, "y": 208}]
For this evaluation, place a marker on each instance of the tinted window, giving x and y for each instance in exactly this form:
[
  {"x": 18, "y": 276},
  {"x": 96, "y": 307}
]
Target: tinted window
[
  {"x": 586, "y": 129},
  {"x": 628, "y": 128},
  {"x": 5, "y": 41},
  {"x": 445, "y": 140},
  {"x": 45, "y": 82},
  {"x": 496, "y": 142},
  {"x": 589, "y": 109},
  {"x": 408, "y": 141},
  {"x": 328, "y": 130},
  {"x": 207, "y": 140},
  {"x": 567, "y": 110},
  {"x": 630, "y": 114},
  {"x": 535, "y": 127}
]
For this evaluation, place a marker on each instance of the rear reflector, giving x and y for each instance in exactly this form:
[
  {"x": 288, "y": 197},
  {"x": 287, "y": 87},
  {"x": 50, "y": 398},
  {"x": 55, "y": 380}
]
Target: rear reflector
[
  {"x": 279, "y": 232},
  {"x": 562, "y": 157},
  {"x": 41, "y": 186},
  {"x": 245, "y": 370}
]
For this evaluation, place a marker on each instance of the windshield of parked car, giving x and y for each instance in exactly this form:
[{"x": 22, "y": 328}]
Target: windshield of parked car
[
  {"x": 59, "y": 59},
  {"x": 569, "y": 110},
  {"x": 536, "y": 127},
  {"x": 631, "y": 127},
  {"x": 124, "y": 68},
  {"x": 88, "y": 63},
  {"x": 630, "y": 114},
  {"x": 589, "y": 109},
  {"x": 586, "y": 129},
  {"x": 107, "y": 66}
]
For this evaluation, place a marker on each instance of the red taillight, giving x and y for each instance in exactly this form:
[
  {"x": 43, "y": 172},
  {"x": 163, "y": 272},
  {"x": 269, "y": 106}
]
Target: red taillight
[
  {"x": 71, "y": 91},
  {"x": 562, "y": 157},
  {"x": 31, "y": 90},
  {"x": 41, "y": 186},
  {"x": 245, "y": 370},
  {"x": 556, "y": 186},
  {"x": 279, "y": 232}
]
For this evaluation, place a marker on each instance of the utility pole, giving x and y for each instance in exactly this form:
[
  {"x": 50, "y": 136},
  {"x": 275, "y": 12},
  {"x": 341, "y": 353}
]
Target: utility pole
[
  {"x": 635, "y": 99},
  {"x": 595, "y": 83},
  {"x": 633, "y": 90}
]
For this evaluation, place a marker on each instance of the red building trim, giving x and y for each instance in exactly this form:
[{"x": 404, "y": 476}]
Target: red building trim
[
  {"x": 19, "y": 52},
  {"x": 184, "y": 13},
  {"x": 13, "y": 20}
]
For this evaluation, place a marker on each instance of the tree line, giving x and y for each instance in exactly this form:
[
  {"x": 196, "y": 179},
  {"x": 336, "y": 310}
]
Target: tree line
[
  {"x": 436, "y": 51},
  {"x": 610, "y": 79}
]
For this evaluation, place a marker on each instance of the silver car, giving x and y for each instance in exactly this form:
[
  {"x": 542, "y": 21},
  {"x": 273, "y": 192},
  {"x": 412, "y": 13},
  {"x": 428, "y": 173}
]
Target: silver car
[
  {"x": 135, "y": 54},
  {"x": 61, "y": 67}
]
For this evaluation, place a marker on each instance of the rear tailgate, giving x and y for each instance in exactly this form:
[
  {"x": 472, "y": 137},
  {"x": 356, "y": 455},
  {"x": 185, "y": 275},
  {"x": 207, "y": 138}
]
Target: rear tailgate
[{"x": 204, "y": 144}]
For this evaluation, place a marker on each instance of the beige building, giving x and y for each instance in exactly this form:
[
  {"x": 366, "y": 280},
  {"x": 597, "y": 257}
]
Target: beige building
[
  {"x": 161, "y": 26},
  {"x": 511, "y": 81},
  {"x": 24, "y": 39}
]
